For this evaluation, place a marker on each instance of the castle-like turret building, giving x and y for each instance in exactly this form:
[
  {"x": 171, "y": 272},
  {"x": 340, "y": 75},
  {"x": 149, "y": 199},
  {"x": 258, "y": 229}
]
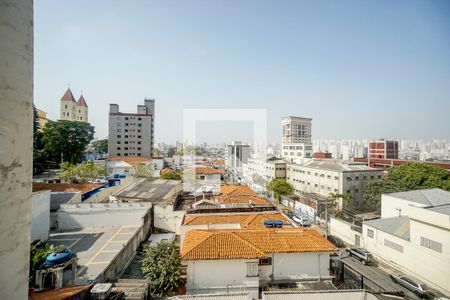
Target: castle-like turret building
[{"x": 73, "y": 110}]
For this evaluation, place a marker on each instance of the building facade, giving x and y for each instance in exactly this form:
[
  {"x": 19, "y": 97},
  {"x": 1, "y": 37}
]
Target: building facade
[
  {"x": 383, "y": 149},
  {"x": 413, "y": 235},
  {"x": 257, "y": 172},
  {"x": 296, "y": 139},
  {"x": 73, "y": 110},
  {"x": 237, "y": 154},
  {"x": 324, "y": 177},
  {"x": 132, "y": 134}
]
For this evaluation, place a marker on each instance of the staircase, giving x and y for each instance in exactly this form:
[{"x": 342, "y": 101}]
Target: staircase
[{"x": 133, "y": 289}]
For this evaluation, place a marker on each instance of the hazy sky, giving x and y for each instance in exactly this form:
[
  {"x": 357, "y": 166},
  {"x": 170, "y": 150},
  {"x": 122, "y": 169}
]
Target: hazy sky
[{"x": 360, "y": 69}]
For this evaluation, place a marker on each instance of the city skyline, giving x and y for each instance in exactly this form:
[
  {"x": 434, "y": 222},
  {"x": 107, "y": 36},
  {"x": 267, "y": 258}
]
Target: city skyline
[{"x": 359, "y": 71}]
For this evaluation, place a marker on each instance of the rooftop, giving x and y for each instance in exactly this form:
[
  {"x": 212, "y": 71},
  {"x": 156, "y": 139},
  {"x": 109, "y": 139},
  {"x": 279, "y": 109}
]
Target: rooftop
[
  {"x": 338, "y": 165},
  {"x": 214, "y": 297},
  {"x": 319, "y": 295},
  {"x": 239, "y": 194},
  {"x": 68, "y": 96},
  {"x": 156, "y": 191},
  {"x": 251, "y": 243},
  {"x": 130, "y": 160},
  {"x": 398, "y": 226},
  {"x": 65, "y": 187},
  {"x": 442, "y": 209},
  {"x": 203, "y": 170},
  {"x": 246, "y": 220},
  {"x": 429, "y": 197}
]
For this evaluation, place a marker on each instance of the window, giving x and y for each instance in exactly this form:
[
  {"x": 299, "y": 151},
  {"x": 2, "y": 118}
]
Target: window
[
  {"x": 252, "y": 269},
  {"x": 118, "y": 148},
  {"x": 266, "y": 261},
  {"x": 139, "y": 119},
  {"x": 118, "y": 142},
  {"x": 126, "y": 118},
  {"x": 336, "y": 178},
  {"x": 138, "y": 154},
  {"x": 139, "y": 136},
  {"x": 65, "y": 106},
  {"x": 119, "y": 136},
  {"x": 430, "y": 244},
  {"x": 370, "y": 233},
  {"x": 392, "y": 245}
]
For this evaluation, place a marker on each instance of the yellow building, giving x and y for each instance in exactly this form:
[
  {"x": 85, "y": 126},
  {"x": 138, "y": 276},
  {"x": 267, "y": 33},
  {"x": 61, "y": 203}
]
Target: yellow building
[{"x": 42, "y": 118}]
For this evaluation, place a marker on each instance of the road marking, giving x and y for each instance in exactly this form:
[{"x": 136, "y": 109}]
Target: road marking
[
  {"x": 104, "y": 246},
  {"x": 110, "y": 251}
]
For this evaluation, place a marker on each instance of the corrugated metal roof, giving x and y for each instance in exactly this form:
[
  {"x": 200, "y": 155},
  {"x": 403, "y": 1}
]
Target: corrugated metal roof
[
  {"x": 398, "y": 226},
  {"x": 319, "y": 295},
  {"x": 156, "y": 191},
  {"x": 428, "y": 197}
]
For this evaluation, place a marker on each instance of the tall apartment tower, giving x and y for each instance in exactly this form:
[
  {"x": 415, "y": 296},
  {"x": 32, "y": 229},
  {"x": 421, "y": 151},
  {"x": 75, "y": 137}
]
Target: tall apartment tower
[
  {"x": 73, "y": 110},
  {"x": 296, "y": 139},
  {"x": 237, "y": 154},
  {"x": 383, "y": 149},
  {"x": 132, "y": 134}
]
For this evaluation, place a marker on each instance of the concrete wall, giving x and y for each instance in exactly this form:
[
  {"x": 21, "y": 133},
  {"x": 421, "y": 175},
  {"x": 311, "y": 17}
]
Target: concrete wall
[
  {"x": 116, "y": 267},
  {"x": 16, "y": 142},
  {"x": 215, "y": 276},
  {"x": 167, "y": 219},
  {"x": 344, "y": 231},
  {"x": 72, "y": 216},
  {"x": 293, "y": 266},
  {"x": 40, "y": 215},
  {"x": 427, "y": 265},
  {"x": 393, "y": 206}
]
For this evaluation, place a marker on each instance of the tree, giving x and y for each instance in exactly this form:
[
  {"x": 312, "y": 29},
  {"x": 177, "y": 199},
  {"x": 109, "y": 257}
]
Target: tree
[
  {"x": 67, "y": 140},
  {"x": 414, "y": 176},
  {"x": 100, "y": 146},
  {"x": 38, "y": 145},
  {"x": 172, "y": 175},
  {"x": 81, "y": 173},
  {"x": 171, "y": 152},
  {"x": 346, "y": 197},
  {"x": 257, "y": 179},
  {"x": 280, "y": 187},
  {"x": 141, "y": 170},
  {"x": 161, "y": 266}
]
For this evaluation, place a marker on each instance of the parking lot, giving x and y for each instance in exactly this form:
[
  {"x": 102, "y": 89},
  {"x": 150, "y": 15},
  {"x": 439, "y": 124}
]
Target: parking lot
[{"x": 95, "y": 248}]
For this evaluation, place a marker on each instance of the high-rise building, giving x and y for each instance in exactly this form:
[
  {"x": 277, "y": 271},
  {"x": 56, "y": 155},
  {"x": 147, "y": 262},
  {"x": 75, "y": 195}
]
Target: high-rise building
[
  {"x": 73, "y": 110},
  {"x": 237, "y": 154},
  {"x": 296, "y": 139},
  {"x": 383, "y": 149},
  {"x": 132, "y": 134}
]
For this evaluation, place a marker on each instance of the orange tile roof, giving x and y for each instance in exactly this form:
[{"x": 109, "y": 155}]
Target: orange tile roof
[
  {"x": 130, "y": 160},
  {"x": 65, "y": 187},
  {"x": 242, "y": 199},
  {"x": 236, "y": 190},
  {"x": 206, "y": 171},
  {"x": 251, "y": 243},
  {"x": 250, "y": 220},
  {"x": 218, "y": 162},
  {"x": 239, "y": 194},
  {"x": 166, "y": 171}
]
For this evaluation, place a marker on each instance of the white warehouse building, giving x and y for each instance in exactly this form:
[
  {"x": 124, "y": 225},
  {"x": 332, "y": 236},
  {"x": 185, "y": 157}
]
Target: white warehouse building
[{"x": 413, "y": 235}]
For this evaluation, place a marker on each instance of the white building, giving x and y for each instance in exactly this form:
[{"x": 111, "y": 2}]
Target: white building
[
  {"x": 332, "y": 176},
  {"x": 237, "y": 154},
  {"x": 127, "y": 165},
  {"x": 257, "y": 172},
  {"x": 413, "y": 235},
  {"x": 202, "y": 179},
  {"x": 296, "y": 139},
  {"x": 242, "y": 260}
]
